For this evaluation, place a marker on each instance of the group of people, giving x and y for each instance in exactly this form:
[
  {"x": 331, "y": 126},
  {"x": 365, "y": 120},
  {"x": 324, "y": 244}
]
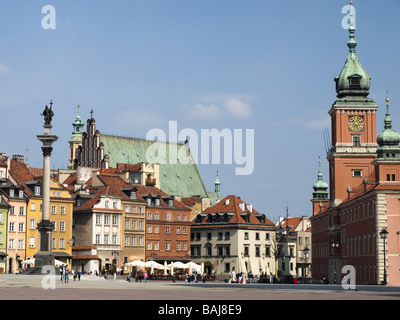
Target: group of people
[
  {"x": 241, "y": 277},
  {"x": 65, "y": 272},
  {"x": 194, "y": 277},
  {"x": 140, "y": 275}
]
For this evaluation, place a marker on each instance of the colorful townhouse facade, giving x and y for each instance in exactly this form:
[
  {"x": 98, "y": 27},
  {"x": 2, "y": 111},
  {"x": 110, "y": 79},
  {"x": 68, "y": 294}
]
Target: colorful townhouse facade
[
  {"x": 14, "y": 196},
  {"x": 61, "y": 204},
  {"x": 3, "y": 236}
]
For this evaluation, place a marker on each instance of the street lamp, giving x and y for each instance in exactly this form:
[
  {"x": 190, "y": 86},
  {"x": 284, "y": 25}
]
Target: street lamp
[
  {"x": 334, "y": 244},
  {"x": 384, "y": 234},
  {"x": 306, "y": 252}
]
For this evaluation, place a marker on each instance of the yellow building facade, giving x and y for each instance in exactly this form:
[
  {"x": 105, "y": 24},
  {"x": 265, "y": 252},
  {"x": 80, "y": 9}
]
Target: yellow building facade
[{"x": 61, "y": 207}]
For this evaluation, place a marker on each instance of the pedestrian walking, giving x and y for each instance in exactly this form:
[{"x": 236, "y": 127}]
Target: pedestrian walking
[
  {"x": 271, "y": 280},
  {"x": 66, "y": 275},
  {"x": 128, "y": 277},
  {"x": 63, "y": 274},
  {"x": 79, "y": 276},
  {"x": 145, "y": 276},
  {"x": 233, "y": 276},
  {"x": 250, "y": 277}
]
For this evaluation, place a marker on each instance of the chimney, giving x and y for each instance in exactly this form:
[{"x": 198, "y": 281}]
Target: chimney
[
  {"x": 250, "y": 207},
  {"x": 241, "y": 205},
  {"x": 19, "y": 158},
  {"x": 150, "y": 182}
]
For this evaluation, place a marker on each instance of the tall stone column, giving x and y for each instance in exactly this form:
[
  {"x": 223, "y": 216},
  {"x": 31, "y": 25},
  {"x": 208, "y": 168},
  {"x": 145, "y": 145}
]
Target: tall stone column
[{"x": 44, "y": 256}]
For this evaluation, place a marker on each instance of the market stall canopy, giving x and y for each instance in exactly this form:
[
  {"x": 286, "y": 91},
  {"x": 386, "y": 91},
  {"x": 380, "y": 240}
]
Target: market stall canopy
[
  {"x": 193, "y": 267},
  {"x": 136, "y": 263},
  {"x": 57, "y": 263}
]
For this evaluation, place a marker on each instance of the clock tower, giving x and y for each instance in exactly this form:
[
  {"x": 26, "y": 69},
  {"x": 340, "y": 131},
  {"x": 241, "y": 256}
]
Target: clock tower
[{"x": 353, "y": 123}]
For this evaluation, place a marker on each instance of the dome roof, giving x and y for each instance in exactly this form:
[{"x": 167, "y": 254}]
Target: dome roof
[
  {"x": 388, "y": 137},
  {"x": 353, "y": 79},
  {"x": 320, "y": 187}
]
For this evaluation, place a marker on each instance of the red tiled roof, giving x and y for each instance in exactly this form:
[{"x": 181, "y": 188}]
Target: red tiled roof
[
  {"x": 21, "y": 173},
  {"x": 191, "y": 201},
  {"x": 294, "y": 222},
  {"x": 231, "y": 204}
]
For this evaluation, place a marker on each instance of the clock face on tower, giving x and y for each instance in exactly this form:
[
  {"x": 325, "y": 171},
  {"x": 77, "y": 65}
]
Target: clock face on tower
[{"x": 356, "y": 123}]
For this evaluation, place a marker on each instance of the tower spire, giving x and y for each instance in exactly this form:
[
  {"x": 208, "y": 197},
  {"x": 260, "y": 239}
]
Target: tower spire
[
  {"x": 388, "y": 120},
  {"x": 352, "y": 43}
]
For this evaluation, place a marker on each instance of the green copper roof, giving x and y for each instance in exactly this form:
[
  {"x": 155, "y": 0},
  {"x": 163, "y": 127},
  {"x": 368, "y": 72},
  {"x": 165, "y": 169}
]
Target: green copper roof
[
  {"x": 176, "y": 178},
  {"x": 388, "y": 140},
  {"x": 320, "y": 187},
  {"x": 353, "y": 79},
  {"x": 78, "y": 129}
]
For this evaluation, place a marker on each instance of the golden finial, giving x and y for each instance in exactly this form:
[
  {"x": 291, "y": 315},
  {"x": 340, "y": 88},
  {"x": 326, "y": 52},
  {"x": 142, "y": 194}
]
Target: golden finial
[{"x": 351, "y": 2}]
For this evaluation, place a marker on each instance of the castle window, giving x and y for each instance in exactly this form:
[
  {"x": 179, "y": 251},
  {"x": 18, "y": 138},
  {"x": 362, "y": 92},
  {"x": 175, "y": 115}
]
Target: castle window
[
  {"x": 357, "y": 173},
  {"x": 356, "y": 141},
  {"x": 355, "y": 81}
]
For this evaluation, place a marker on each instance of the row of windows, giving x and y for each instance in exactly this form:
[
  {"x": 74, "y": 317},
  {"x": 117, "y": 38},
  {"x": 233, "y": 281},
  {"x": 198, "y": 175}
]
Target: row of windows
[
  {"x": 134, "y": 209},
  {"x": 167, "y": 216},
  {"x": 106, "y": 239},
  {"x": 21, "y": 210},
  {"x": 106, "y": 219},
  {"x": 180, "y": 246},
  {"x": 133, "y": 224},
  {"x": 32, "y": 243},
  {"x": 115, "y": 205},
  {"x": 20, "y": 193},
  {"x": 32, "y": 226},
  {"x": 134, "y": 241},
  {"x": 179, "y": 230},
  {"x": 225, "y": 251},
  {"x": 196, "y": 236}
]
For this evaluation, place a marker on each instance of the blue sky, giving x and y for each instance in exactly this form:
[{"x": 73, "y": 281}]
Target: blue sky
[{"x": 262, "y": 65}]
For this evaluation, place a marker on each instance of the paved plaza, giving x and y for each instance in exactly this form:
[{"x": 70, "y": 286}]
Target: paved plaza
[{"x": 37, "y": 287}]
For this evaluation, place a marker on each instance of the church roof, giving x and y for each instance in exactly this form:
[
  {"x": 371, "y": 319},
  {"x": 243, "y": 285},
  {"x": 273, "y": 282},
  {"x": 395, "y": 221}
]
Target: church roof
[{"x": 176, "y": 178}]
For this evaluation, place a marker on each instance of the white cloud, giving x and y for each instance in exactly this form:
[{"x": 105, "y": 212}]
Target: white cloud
[
  {"x": 237, "y": 108},
  {"x": 202, "y": 111},
  {"x": 218, "y": 106}
]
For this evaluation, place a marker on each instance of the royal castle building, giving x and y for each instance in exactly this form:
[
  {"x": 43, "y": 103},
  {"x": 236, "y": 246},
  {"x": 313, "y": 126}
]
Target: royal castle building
[{"x": 358, "y": 225}]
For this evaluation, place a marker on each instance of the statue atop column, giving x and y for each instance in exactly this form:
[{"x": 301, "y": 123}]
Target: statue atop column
[{"x": 48, "y": 114}]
